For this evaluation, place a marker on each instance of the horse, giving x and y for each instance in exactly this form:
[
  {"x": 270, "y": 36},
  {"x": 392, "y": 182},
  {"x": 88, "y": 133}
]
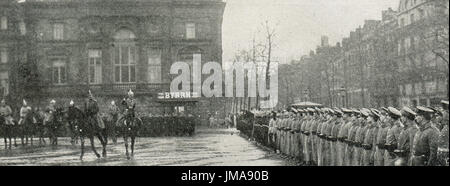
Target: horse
[
  {"x": 110, "y": 122},
  {"x": 7, "y": 132},
  {"x": 27, "y": 128},
  {"x": 55, "y": 124},
  {"x": 128, "y": 126},
  {"x": 39, "y": 128},
  {"x": 86, "y": 126}
]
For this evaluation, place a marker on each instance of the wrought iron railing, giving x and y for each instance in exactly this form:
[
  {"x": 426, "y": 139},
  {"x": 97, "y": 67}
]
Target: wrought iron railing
[{"x": 71, "y": 89}]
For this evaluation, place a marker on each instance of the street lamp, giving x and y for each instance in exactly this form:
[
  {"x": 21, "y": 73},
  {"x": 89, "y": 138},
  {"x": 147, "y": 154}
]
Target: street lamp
[
  {"x": 305, "y": 93},
  {"x": 341, "y": 93}
]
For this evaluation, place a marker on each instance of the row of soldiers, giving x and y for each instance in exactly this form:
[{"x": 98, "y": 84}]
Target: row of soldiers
[{"x": 363, "y": 137}]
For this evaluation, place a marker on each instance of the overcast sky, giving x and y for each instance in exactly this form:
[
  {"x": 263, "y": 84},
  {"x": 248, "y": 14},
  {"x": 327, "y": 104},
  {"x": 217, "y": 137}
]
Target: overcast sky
[{"x": 301, "y": 23}]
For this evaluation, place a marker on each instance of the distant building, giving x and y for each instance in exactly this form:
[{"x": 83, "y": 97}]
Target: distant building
[
  {"x": 423, "y": 72},
  {"x": 108, "y": 47}
]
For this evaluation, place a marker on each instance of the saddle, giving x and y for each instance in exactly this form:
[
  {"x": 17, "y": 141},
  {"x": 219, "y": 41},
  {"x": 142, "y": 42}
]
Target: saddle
[
  {"x": 367, "y": 146},
  {"x": 97, "y": 120}
]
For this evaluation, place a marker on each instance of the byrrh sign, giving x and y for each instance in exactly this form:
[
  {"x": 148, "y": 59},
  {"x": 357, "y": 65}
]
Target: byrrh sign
[{"x": 178, "y": 95}]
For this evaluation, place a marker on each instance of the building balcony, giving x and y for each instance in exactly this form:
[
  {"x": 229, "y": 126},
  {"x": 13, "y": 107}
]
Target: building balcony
[{"x": 101, "y": 89}]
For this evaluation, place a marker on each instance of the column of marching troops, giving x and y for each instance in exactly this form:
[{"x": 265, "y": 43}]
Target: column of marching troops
[{"x": 362, "y": 137}]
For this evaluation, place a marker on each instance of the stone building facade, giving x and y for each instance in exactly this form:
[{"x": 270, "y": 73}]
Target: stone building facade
[
  {"x": 108, "y": 47},
  {"x": 423, "y": 63}
]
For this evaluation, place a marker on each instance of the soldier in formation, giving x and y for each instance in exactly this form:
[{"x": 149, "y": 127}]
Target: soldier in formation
[{"x": 361, "y": 137}]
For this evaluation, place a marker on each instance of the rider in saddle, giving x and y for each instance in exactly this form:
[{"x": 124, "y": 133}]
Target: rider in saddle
[
  {"x": 5, "y": 111},
  {"x": 92, "y": 110},
  {"x": 24, "y": 111},
  {"x": 49, "y": 110},
  {"x": 130, "y": 105},
  {"x": 113, "y": 111},
  {"x": 71, "y": 107}
]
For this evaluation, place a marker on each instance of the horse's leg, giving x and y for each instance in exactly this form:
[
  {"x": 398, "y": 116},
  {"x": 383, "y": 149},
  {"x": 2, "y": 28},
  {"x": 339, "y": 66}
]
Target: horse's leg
[
  {"x": 10, "y": 139},
  {"x": 133, "y": 137},
  {"x": 125, "y": 139},
  {"x": 24, "y": 135},
  {"x": 91, "y": 137},
  {"x": 15, "y": 142},
  {"x": 56, "y": 136},
  {"x": 6, "y": 142},
  {"x": 103, "y": 142},
  {"x": 82, "y": 147}
]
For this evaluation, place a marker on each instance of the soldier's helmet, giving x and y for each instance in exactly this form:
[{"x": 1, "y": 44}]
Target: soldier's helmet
[
  {"x": 425, "y": 112},
  {"x": 52, "y": 101},
  {"x": 113, "y": 102},
  {"x": 71, "y": 103},
  {"x": 24, "y": 102},
  {"x": 408, "y": 113},
  {"x": 3, "y": 101},
  {"x": 444, "y": 105},
  {"x": 90, "y": 95},
  {"x": 365, "y": 112},
  {"x": 130, "y": 93},
  {"x": 394, "y": 113}
]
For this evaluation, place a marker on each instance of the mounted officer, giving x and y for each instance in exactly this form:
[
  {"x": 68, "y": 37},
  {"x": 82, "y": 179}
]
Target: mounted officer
[
  {"x": 5, "y": 111},
  {"x": 24, "y": 111},
  {"x": 92, "y": 111},
  {"x": 49, "y": 111},
  {"x": 129, "y": 104}
]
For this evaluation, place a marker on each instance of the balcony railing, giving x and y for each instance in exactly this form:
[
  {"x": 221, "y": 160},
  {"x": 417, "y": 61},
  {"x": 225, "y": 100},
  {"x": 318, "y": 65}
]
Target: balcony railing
[{"x": 102, "y": 89}]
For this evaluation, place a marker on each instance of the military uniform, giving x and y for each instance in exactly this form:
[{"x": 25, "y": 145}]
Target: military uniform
[
  {"x": 278, "y": 132},
  {"x": 313, "y": 137},
  {"x": 319, "y": 142},
  {"x": 403, "y": 150},
  {"x": 351, "y": 142},
  {"x": 92, "y": 110},
  {"x": 369, "y": 138},
  {"x": 406, "y": 138},
  {"x": 333, "y": 142},
  {"x": 307, "y": 142},
  {"x": 24, "y": 111},
  {"x": 272, "y": 134},
  {"x": 392, "y": 136},
  {"x": 357, "y": 151},
  {"x": 443, "y": 149},
  {"x": 342, "y": 137},
  {"x": 298, "y": 140},
  {"x": 425, "y": 146},
  {"x": 380, "y": 143}
]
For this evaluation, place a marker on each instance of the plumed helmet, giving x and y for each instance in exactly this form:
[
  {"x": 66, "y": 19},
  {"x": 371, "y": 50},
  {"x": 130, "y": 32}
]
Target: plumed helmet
[
  {"x": 52, "y": 101},
  {"x": 90, "y": 94},
  {"x": 71, "y": 103},
  {"x": 24, "y": 102},
  {"x": 130, "y": 93}
]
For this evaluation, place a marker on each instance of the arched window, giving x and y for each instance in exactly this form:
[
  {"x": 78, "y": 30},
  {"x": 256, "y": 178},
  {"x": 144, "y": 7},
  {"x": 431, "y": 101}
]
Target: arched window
[
  {"x": 124, "y": 56},
  {"x": 124, "y": 34}
]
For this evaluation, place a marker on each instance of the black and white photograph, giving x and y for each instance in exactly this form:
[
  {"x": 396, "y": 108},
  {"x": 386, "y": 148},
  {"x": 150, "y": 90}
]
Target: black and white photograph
[{"x": 254, "y": 83}]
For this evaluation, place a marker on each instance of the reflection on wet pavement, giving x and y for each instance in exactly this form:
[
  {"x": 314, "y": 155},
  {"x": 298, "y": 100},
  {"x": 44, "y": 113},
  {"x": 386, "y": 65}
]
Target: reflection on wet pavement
[{"x": 209, "y": 147}]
